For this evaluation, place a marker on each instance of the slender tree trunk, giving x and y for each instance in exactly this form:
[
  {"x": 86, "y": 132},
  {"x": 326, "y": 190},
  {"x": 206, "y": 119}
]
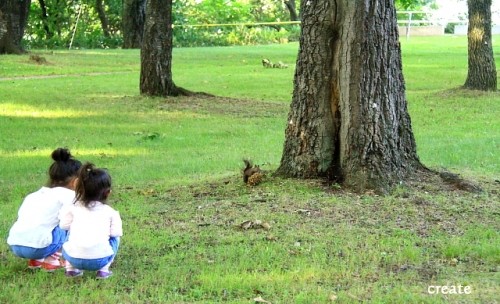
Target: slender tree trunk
[
  {"x": 3, "y": 27},
  {"x": 48, "y": 32},
  {"x": 482, "y": 74},
  {"x": 134, "y": 12},
  {"x": 59, "y": 17},
  {"x": 290, "y": 5},
  {"x": 14, "y": 15},
  {"x": 102, "y": 17},
  {"x": 156, "y": 50},
  {"x": 348, "y": 119}
]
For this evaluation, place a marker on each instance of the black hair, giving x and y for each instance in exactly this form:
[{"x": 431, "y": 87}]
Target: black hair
[
  {"x": 63, "y": 169},
  {"x": 93, "y": 184}
]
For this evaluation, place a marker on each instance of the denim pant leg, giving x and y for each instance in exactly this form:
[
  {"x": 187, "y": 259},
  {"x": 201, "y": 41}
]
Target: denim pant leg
[
  {"x": 59, "y": 236},
  {"x": 115, "y": 244},
  {"x": 94, "y": 264}
]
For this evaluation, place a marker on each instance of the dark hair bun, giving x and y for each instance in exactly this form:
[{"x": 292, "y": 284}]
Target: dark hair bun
[{"x": 61, "y": 154}]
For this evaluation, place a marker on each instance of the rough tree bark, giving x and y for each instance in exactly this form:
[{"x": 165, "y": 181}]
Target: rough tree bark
[
  {"x": 482, "y": 74},
  {"x": 156, "y": 51},
  {"x": 134, "y": 12},
  {"x": 14, "y": 17},
  {"x": 348, "y": 119}
]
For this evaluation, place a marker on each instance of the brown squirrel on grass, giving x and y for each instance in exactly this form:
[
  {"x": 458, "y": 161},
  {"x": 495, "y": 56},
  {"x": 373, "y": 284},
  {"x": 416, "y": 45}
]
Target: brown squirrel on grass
[
  {"x": 252, "y": 175},
  {"x": 38, "y": 59}
]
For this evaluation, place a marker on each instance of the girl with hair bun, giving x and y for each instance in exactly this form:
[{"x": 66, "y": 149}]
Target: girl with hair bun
[
  {"x": 36, "y": 235},
  {"x": 95, "y": 227}
]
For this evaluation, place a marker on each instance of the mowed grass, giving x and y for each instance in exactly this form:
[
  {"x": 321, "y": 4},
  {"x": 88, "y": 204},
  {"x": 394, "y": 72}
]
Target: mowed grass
[{"x": 176, "y": 167}]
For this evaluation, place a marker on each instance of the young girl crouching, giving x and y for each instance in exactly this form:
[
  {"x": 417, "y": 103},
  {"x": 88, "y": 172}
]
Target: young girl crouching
[
  {"x": 94, "y": 227},
  {"x": 36, "y": 235}
]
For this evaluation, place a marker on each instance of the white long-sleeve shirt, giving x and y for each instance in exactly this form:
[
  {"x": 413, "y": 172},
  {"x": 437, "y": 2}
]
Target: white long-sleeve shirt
[
  {"x": 38, "y": 216},
  {"x": 90, "y": 230}
]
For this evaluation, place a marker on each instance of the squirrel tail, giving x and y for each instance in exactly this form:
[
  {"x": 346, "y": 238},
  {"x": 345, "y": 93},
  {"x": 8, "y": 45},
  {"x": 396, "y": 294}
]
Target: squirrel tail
[
  {"x": 246, "y": 170},
  {"x": 248, "y": 164}
]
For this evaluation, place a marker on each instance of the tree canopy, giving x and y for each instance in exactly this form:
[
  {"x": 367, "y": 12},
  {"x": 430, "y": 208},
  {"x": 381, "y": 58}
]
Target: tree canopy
[{"x": 102, "y": 24}]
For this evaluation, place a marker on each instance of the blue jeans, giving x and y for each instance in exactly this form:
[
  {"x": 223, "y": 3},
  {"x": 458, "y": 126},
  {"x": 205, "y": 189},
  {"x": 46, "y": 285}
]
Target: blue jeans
[
  {"x": 94, "y": 264},
  {"x": 59, "y": 236}
]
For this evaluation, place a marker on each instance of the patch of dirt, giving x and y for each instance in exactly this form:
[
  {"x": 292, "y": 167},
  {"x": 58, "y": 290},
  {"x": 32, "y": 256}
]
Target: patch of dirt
[
  {"x": 225, "y": 106},
  {"x": 461, "y": 92},
  {"x": 425, "y": 206},
  {"x": 38, "y": 59},
  {"x": 60, "y": 76}
]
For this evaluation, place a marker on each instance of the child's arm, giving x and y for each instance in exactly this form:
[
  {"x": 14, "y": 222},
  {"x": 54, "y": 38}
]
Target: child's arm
[
  {"x": 65, "y": 217},
  {"x": 116, "y": 225}
]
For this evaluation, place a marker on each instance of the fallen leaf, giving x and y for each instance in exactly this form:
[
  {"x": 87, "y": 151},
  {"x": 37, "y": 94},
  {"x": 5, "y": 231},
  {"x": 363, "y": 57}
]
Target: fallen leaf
[
  {"x": 259, "y": 299},
  {"x": 255, "y": 225},
  {"x": 304, "y": 211},
  {"x": 246, "y": 225}
]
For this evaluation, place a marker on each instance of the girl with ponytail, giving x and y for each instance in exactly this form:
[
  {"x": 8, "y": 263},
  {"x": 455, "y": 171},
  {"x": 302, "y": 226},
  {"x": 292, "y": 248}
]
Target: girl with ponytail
[{"x": 95, "y": 227}]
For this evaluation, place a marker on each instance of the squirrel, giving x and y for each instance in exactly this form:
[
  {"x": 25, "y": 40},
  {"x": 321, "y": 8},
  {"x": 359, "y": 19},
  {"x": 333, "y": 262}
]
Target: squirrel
[
  {"x": 249, "y": 170},
  {"x": 268, "y": 64}
]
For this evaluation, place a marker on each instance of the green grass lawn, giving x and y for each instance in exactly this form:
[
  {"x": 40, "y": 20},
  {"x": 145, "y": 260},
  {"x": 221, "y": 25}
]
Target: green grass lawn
[{"x": 176, "y": 167}]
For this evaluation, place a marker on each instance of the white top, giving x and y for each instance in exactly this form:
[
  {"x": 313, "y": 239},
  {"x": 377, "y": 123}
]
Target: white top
[
  {"x": 38, "y": 216},
  {"x": 90, "y": 230}
]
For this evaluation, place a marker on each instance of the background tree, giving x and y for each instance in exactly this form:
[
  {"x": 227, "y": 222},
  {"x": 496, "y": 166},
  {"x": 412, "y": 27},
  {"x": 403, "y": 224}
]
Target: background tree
[
  {"x": 50, "y": 20},
  {"x": 348, "y": 119},
  {"x": 95, "y": 23},
  {"x": 482, "y": 73},
  {"x": 291, "y": 7},
  {"x": 15, "y": 15},
  {"x": 45, "y": 19},
  {"x": 189, "y": 12},
  {"x": 112, "y": 23},
  {"x": 156, "y": 51},
  {"x": 101, "y": 12},
  {"x": 134, "y": 13},
  {"x": 3, "y": 27},
  {"x": 267, "y": 10}
]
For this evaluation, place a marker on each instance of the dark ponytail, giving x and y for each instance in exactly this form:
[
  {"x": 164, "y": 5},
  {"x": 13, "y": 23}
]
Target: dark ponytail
[
  {"x": 93, "y": 184},
  {"x": 63, "y": 169}
]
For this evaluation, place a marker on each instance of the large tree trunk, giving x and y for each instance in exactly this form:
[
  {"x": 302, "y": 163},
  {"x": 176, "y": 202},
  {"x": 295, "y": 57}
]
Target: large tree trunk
[
  {"x": 482, "y": 74},
  {"x": 14, "y": 17},
  {"x": 134, "y": 12},
  {"x": 156, "y": 51},
  {"x": 348, "y": 119}
]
